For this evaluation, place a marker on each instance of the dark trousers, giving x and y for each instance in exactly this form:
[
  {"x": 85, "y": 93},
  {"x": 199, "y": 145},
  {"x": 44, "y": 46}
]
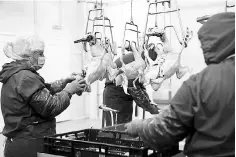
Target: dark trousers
[
  {"x": 21, "y": 147},
  {"x": 115, "y": 98}
]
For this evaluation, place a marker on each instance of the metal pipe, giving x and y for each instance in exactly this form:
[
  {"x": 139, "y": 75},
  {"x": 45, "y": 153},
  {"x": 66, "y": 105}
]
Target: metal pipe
[
  {"x": 145, "y": 28},
  {"x": 104, "y": 108},
  {"x": 180, "y": 21},
  {"x": 164, "y": 12},
  {"x": 103, "y": 20},
  {"x": 111, "y": 31}
]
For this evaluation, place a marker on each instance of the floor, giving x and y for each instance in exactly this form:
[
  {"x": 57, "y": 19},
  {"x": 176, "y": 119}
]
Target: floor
[{"x": 74, "y": 125}]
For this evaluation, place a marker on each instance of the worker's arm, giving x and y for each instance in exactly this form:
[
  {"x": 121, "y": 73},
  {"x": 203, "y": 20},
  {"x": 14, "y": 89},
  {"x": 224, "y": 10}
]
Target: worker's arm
[
  {"x": 34, "y": 92},
  {"x": 59, "y": 85},
  {"x": 49, "y": 106},
  {"x": 172, "y": 124}
]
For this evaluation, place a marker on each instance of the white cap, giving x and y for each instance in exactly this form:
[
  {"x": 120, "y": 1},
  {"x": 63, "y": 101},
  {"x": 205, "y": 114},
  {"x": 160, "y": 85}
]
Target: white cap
[{"x": 23, "y": 47}]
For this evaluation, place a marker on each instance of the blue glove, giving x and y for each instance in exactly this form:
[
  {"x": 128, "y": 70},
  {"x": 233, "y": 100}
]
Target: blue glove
[{"x": 133, "y": 126}]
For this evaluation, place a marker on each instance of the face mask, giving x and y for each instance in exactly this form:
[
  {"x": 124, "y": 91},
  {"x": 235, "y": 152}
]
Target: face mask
[{"x": 41, "y": 61}]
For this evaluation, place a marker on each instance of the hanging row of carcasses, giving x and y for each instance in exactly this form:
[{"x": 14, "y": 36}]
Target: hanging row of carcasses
[{"x": 146, "y": 70}]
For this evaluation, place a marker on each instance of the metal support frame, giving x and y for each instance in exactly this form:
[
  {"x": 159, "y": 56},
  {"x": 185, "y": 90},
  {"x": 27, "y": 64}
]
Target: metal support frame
[
  {"x": 163, "y": 12},
  {"x": 146, "y": 36},
  {"x": 228, "y": 6},
  {"x": 203, "y": 19},
  {"x": 135, "y": 29},
  {"x": 96, "y": 19},
  {"x": 112, "y": 112}
]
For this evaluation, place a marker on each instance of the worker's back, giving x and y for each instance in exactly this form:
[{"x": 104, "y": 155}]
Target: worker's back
[
  {"x": 214, "y": 91},
  {"x": 214, "y": 113}
]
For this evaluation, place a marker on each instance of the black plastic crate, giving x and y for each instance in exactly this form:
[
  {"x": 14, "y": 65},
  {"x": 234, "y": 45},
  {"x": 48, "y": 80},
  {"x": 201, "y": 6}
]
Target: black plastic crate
[{"x": 101, "y": 143}]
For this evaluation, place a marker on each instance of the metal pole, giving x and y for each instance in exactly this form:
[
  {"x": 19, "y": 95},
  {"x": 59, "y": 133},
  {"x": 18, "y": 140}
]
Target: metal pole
[
  {"x": 226, "y": 6},
  {"x": 180, "y": 21},
  {"x": 156, "y": 17},
  {"x": 145, "y": 28}
]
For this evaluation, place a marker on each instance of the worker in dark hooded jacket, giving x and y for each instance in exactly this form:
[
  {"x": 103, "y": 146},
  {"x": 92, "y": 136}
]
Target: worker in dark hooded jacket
[
  {"x": 29, "y": 105},
  {"x": 203, "y": 109}
]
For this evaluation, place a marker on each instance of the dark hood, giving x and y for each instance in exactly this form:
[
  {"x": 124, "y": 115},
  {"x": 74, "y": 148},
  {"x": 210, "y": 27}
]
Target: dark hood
[
  {"x": 217, "y": 37},
  {"x": 10, "y": 69}
]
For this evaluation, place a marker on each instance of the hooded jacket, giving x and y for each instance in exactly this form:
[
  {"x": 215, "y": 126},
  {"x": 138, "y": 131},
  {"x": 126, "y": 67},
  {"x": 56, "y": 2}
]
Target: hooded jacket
[
  {"x": 28, "y": 104},
  {"x": 203, "y": 109}
]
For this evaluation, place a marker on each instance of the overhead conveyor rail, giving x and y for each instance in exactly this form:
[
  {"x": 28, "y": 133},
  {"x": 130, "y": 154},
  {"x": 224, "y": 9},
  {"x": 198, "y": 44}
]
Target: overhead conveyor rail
[{"x": 203, "y": 19}]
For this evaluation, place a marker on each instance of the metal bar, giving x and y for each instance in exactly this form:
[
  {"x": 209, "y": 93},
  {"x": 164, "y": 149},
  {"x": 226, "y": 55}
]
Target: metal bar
[
  {"x": 93, "y": 27},
  {"x": 180, "y": 21},
  {"x": 123, "y": 44},
  {"x": 156, "y": 17},
  {"x": 164, "y": 12},
  {"x": 104, "y": 108},
  {"x": 226, "y": 6},
  {"x": 145, "y": 28},
  {"x": 104, "y": 26},
  {"x": 87, "y": 24},
  {"x": 206, "y": 17},
  {"x": 100, "y": 18},
  {"x": 175, "y": 32},
  {"x": 90, "y": 1},
  {"x": 103, "y": 19},
  {"x": 230, "y": 6},
  {"x": 137, "y": 38},
  {"x": 159, "y": 2},
  {"x": 133, "y": 30},
  {"x": 111, "y": 31},
  {"x": 94, "y": 10},
  {"x": 132, "y": 24},
  {"x": 164, "y": 16},
  {"x": 127, "y": 29}
]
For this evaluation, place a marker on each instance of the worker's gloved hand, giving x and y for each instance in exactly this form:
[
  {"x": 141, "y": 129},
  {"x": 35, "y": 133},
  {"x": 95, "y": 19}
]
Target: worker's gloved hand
[
  {"x": 87, "y": 88},
  {"x": 71, "y": 77},
  {"x": 132, "y": 127},
  {"x": 75, "y": 86}
]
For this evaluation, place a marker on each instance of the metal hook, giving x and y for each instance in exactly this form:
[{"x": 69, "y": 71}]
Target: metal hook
[
  {"x": 128, "y": 47},
  {"x": 133, "y": 42},
  {"x": 162, "y": 12}
]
